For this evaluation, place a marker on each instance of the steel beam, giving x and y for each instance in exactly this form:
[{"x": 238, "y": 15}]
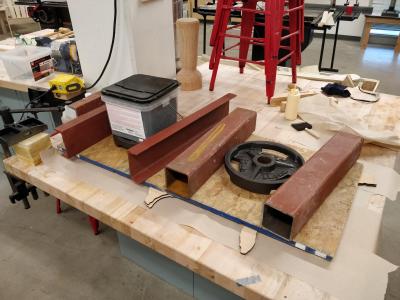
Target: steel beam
[
  {"x": 87, "y": 104},
  {"x": 84, "y": 131},
  {"x": 154, "y": 153},
  {"x": 191, "y": 169},
  {"x": 294, "y": 203}
]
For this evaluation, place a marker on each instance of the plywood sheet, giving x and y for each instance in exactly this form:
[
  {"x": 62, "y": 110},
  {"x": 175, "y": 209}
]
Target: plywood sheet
[
  {"x": 107, "y": 153},
  {"x": 323, "y": 231}
]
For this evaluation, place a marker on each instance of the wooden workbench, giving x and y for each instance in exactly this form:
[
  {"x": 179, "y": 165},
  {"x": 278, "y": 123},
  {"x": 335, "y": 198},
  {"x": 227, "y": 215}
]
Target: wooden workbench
[
  {"x": 203, "y": 255},
  {"x": 21, "y": 85},
  {"x": 371, "y": 20}
]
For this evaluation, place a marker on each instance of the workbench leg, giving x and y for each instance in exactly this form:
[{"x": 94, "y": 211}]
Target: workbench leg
[
  {"x": 397, "y": 47},
  {"x": 58, "y": 206},
  {"x": 365, "y": 36},
  {"x": 95, "y": 225}
]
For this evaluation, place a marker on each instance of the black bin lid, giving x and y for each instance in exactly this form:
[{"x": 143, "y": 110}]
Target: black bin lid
[{"x": 141, "y": 88}]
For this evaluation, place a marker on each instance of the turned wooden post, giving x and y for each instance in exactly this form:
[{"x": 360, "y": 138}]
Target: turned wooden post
[{"x": 188, "y": 36}]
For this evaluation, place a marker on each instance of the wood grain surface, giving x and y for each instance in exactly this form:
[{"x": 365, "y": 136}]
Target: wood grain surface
[
  {"x": 220, "y": 264},
  {"x": 184, "y": 246}
]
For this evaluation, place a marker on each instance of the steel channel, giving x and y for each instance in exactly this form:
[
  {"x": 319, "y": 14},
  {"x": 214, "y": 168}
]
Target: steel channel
[
  {"x": 294, "y": 203},
  {"x": 87, "y": 104},
  {"x": 193, "y": 167},
  {"x": 85, "y": 131},
  {"x": 152, "y": 155}
]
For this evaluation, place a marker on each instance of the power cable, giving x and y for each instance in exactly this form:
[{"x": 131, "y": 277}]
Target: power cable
[{"x": 111, "y": 48}]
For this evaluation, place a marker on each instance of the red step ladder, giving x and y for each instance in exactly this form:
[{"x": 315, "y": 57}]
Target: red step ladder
[{"x": 274, "y": 12}]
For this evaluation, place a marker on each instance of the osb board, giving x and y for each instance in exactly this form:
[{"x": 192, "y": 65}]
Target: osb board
[
  {"x": 323, "y": 231},
  {"x": 106, "y": 153}
]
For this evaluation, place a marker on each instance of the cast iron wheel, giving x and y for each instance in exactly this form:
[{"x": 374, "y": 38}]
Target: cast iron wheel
[{"x": 261, "y": 167}]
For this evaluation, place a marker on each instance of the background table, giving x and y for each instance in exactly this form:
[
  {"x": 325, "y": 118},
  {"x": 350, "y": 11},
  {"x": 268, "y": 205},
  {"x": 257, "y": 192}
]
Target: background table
[{"x": 371, "y": 20}]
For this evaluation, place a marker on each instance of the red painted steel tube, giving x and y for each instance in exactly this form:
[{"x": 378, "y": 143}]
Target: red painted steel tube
[
  {"x": 240, "y": 59},
  {"x": 193, "y": 167},
  {"x": 244, "y": 38},
  {"x": 287, "y": 56},
  {"x": 231, "y": 47},
  {"x": 294, "y": 203},
  {"x": 152, "y": 155}
]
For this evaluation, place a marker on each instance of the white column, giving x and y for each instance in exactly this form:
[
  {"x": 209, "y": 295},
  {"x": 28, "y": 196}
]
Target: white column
[{"x": 144, "y": 41}]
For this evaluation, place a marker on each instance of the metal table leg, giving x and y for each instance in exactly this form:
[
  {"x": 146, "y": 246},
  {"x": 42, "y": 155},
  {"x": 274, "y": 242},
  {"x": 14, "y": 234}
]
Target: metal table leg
[
  {"x": 331, "y": 69},
  {"x": 321, "y": 55}
]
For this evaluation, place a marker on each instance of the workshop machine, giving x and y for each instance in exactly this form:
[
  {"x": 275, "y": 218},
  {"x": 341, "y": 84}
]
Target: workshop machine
[
  {"x": 50, "y": 14},
  {"x": 66, "y": 56},
  {"x": 391, "y": 11},
  {"x": 17, "y": 131}
]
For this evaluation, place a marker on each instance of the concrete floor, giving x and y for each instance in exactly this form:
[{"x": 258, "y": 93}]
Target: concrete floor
[{"x": 48, "y": 256}]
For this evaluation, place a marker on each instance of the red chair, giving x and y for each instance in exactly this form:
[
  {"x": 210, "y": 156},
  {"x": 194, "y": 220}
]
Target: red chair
[{"x": 274, "y": 12}]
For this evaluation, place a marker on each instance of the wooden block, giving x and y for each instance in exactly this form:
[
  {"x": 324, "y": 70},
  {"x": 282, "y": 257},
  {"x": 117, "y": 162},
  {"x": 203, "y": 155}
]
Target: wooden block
[
  {"x": 188, "y": 34},
  {"x": 29, "y": 149},
  {"x": 247, "y": 239},
  {"x": 283, "y": 106},
  {"x": 348, "y": 81},
  {"x": 277, "y": 100}
]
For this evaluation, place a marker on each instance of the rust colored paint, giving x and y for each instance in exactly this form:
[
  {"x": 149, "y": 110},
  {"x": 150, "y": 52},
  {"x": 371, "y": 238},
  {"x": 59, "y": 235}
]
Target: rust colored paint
[
  {"x": 294, "y": 203},
  {"x": 85, "y": 131},
  {"x": 191, "y": 169},
  {"x": 154, "y": 153},
  {"x": 87, "y": 104}
]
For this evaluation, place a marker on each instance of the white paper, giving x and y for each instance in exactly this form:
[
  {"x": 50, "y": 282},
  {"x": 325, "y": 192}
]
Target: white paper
[
  {"x": 386, "y": 179},
  {"x": 345, "y": 114}
]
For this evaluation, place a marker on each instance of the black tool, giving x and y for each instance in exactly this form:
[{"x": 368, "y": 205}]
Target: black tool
[
  {"x": 15, "y": 132},
  {"x": 301, "y": 126},
  {"x": 260, "y": 166},
  {"x": 304, "y": 126}
]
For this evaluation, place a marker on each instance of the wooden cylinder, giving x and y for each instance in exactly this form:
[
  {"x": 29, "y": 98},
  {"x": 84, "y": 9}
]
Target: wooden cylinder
[{"x": 188, "y": 36}]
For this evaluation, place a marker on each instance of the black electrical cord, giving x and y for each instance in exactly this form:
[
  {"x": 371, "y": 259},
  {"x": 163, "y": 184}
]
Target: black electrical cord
[{"x": 111, "y": 48}]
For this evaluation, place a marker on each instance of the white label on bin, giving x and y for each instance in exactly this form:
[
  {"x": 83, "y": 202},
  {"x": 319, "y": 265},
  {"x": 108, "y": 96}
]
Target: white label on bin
[{"x": 124, "y": 120}]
